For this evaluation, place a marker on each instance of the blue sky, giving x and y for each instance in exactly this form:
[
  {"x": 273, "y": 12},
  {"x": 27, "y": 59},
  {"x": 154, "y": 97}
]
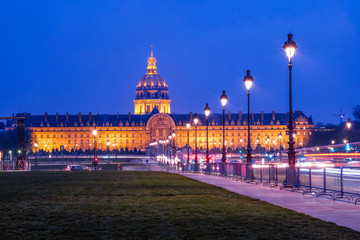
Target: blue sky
[{"x": 88, "y": 56}]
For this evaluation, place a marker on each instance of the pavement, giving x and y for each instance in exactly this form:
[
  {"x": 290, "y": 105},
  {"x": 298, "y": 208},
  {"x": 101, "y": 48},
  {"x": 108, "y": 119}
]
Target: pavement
[{"x": 339, "y": 212}]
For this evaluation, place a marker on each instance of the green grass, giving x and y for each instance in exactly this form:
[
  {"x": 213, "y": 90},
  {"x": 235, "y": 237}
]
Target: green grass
[{"x": 150, "y": 205}]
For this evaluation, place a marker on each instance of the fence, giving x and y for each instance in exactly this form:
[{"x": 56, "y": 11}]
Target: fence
[
  {"x": 23, "y": 165},
  {"x": 337, "y": 182}
]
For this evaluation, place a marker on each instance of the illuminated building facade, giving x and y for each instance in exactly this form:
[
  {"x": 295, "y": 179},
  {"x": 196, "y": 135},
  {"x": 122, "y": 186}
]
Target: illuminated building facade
[{"x": 152, "y": 121}]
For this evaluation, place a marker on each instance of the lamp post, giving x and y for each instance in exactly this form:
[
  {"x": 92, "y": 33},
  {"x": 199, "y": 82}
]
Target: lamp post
[
  {"x": 170, "y": 147},
  {"x": 95, "y": 132},
  {"x": 167, "y": 150},
  {"x": 196, "y": 120},
  {"x": 223, "y": 99},
  {"x": 188, "y": 142},
  {"x": 36, "y": 146},
  {"x": 348, "y": 125},
  {"x": 108, "y": 147},
  {"x": 290, "y": 47},
  {"x": 207, "y": 113},
  {"x": 280, "y": 137},
  {"x": 248, "y": 80},
  {"x": 268, "y": 146},
  {"x": 174, "y": 148}
]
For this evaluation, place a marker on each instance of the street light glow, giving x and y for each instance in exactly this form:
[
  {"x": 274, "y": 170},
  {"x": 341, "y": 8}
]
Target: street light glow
[
  {"x": 248, "y": 80},
  {"x": 196, "y": 119},
  {"x": 290, "y": 47},
  {"x": 188, "y": 124},
  {"x": 207, "y": 110},
  {"x": 223, "y": 99},
  {"x": 348, "y": 124},
  {"x": 94, "y": 132}
]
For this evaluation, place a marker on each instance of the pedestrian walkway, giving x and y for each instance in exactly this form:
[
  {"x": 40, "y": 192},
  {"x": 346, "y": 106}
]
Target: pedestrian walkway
[{"x": 342, "y": 213}]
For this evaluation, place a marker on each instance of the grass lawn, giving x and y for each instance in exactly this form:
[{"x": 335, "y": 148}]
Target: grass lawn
[{"x": 151, "y": 205}]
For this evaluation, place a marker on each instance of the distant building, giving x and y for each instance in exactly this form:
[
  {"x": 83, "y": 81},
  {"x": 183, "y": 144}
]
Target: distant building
[{"x": 152, "y": 121}]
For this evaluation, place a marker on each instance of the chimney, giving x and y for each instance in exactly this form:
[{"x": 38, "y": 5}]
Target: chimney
[
  {"x": 262, "y": 115},
  {"x": 57, "y": 117},
  {"x": 273, "y": 115},
  {"x": 90, "y": 116},
  {"x": 240, "y": 115},
  {"x": 191, "y": 117},
  {"x": 79, "y": 116},
  {"x": 229, "y": 115},
  {"x": 67, "y": 116},
  {"x": 252, "y": 115},
  {"x": 129, "y": 116},
  {"x": 46, "y": 117}
]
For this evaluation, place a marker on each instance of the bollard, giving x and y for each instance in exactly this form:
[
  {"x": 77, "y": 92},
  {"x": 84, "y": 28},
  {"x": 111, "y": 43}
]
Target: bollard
[{"x": 324, "y": 179}]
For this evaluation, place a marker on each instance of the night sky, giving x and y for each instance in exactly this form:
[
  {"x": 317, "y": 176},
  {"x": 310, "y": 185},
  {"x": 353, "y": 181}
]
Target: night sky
[{"x": 88, "y": 56}]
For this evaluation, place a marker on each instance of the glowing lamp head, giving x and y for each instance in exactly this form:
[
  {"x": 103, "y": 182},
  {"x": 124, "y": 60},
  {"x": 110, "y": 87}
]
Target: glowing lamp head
[
  {"x": 94, "y": 132},
  {"x": 196, "y": 119},
  {"x": 257, "y": 140},
  {"x": 188, "y": 124},
  {"x": 348, "y": 124},
  {"x": 173, "y": 134},
  {"x": 223, "y": 99},
  {"x": 290, "y": 47},
  {"x": 36, "y": 144},
  {"x": 170, "y": 137},
  {"x": 248, "y": 80},
  {"x": 280, "y": 135},
  {"x": 332, "y": 142},
  {"x": 207, "y": 110},
  {"x": 108, "y": 143}
]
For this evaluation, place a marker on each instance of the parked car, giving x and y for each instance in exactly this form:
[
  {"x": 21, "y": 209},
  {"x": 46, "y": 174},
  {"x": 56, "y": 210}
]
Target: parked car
[{"x": 77, "y": 168}]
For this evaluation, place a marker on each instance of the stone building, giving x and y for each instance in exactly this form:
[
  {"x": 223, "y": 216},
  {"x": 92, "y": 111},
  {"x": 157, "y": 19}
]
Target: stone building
[{"x": 152, "y": 121}]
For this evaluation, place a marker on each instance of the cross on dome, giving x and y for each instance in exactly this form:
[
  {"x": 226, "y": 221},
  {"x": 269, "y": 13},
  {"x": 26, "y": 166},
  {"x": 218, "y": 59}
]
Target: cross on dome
[{"x": 151, "y": 69}]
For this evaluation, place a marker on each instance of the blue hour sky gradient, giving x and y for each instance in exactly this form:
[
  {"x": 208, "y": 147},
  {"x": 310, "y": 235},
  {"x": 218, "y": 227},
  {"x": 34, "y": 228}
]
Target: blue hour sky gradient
[{"x": 88, "y": 56}]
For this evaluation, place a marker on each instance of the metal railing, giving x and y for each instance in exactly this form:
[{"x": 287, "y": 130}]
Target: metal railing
[
  {"x": 336, "y": 182},
  {"x": 9, "y": 166}
]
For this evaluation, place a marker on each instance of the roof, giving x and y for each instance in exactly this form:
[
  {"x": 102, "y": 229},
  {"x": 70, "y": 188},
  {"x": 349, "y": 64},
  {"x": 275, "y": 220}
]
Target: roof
[
  {"x": 67, "y": 120},
  {"x": 241, "y": 119}
]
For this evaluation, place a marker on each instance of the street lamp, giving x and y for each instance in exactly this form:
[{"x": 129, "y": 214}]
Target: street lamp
[
  {"x": 348, "y": 125},
  {"x": 207, "y": 113},
  {"x": 196, "y": 120},
  {"x": 173, "y": 137},
  {"x": 167, "y": 150},
  {"x": 280, "y": 137},
  {"x": 36, "y": 146},
  {"x": 332, "y": 142},
  {"x": 248, "y": 80},
  {"x": 170, "y": 147},
  {"x": 223, "y": 99},
  {"x": 95, "y": 132},
  {"x": 290, "y": 47},
  {"x": 188, "y": 147},
  {"x": 268, "y": 146}
]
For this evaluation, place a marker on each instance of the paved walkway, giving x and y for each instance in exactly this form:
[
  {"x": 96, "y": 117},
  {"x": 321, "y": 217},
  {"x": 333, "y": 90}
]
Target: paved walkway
[{"x": 342, "y": 213}]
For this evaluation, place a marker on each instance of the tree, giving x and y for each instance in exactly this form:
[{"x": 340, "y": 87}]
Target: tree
[{"x": 356, "y": 112}]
